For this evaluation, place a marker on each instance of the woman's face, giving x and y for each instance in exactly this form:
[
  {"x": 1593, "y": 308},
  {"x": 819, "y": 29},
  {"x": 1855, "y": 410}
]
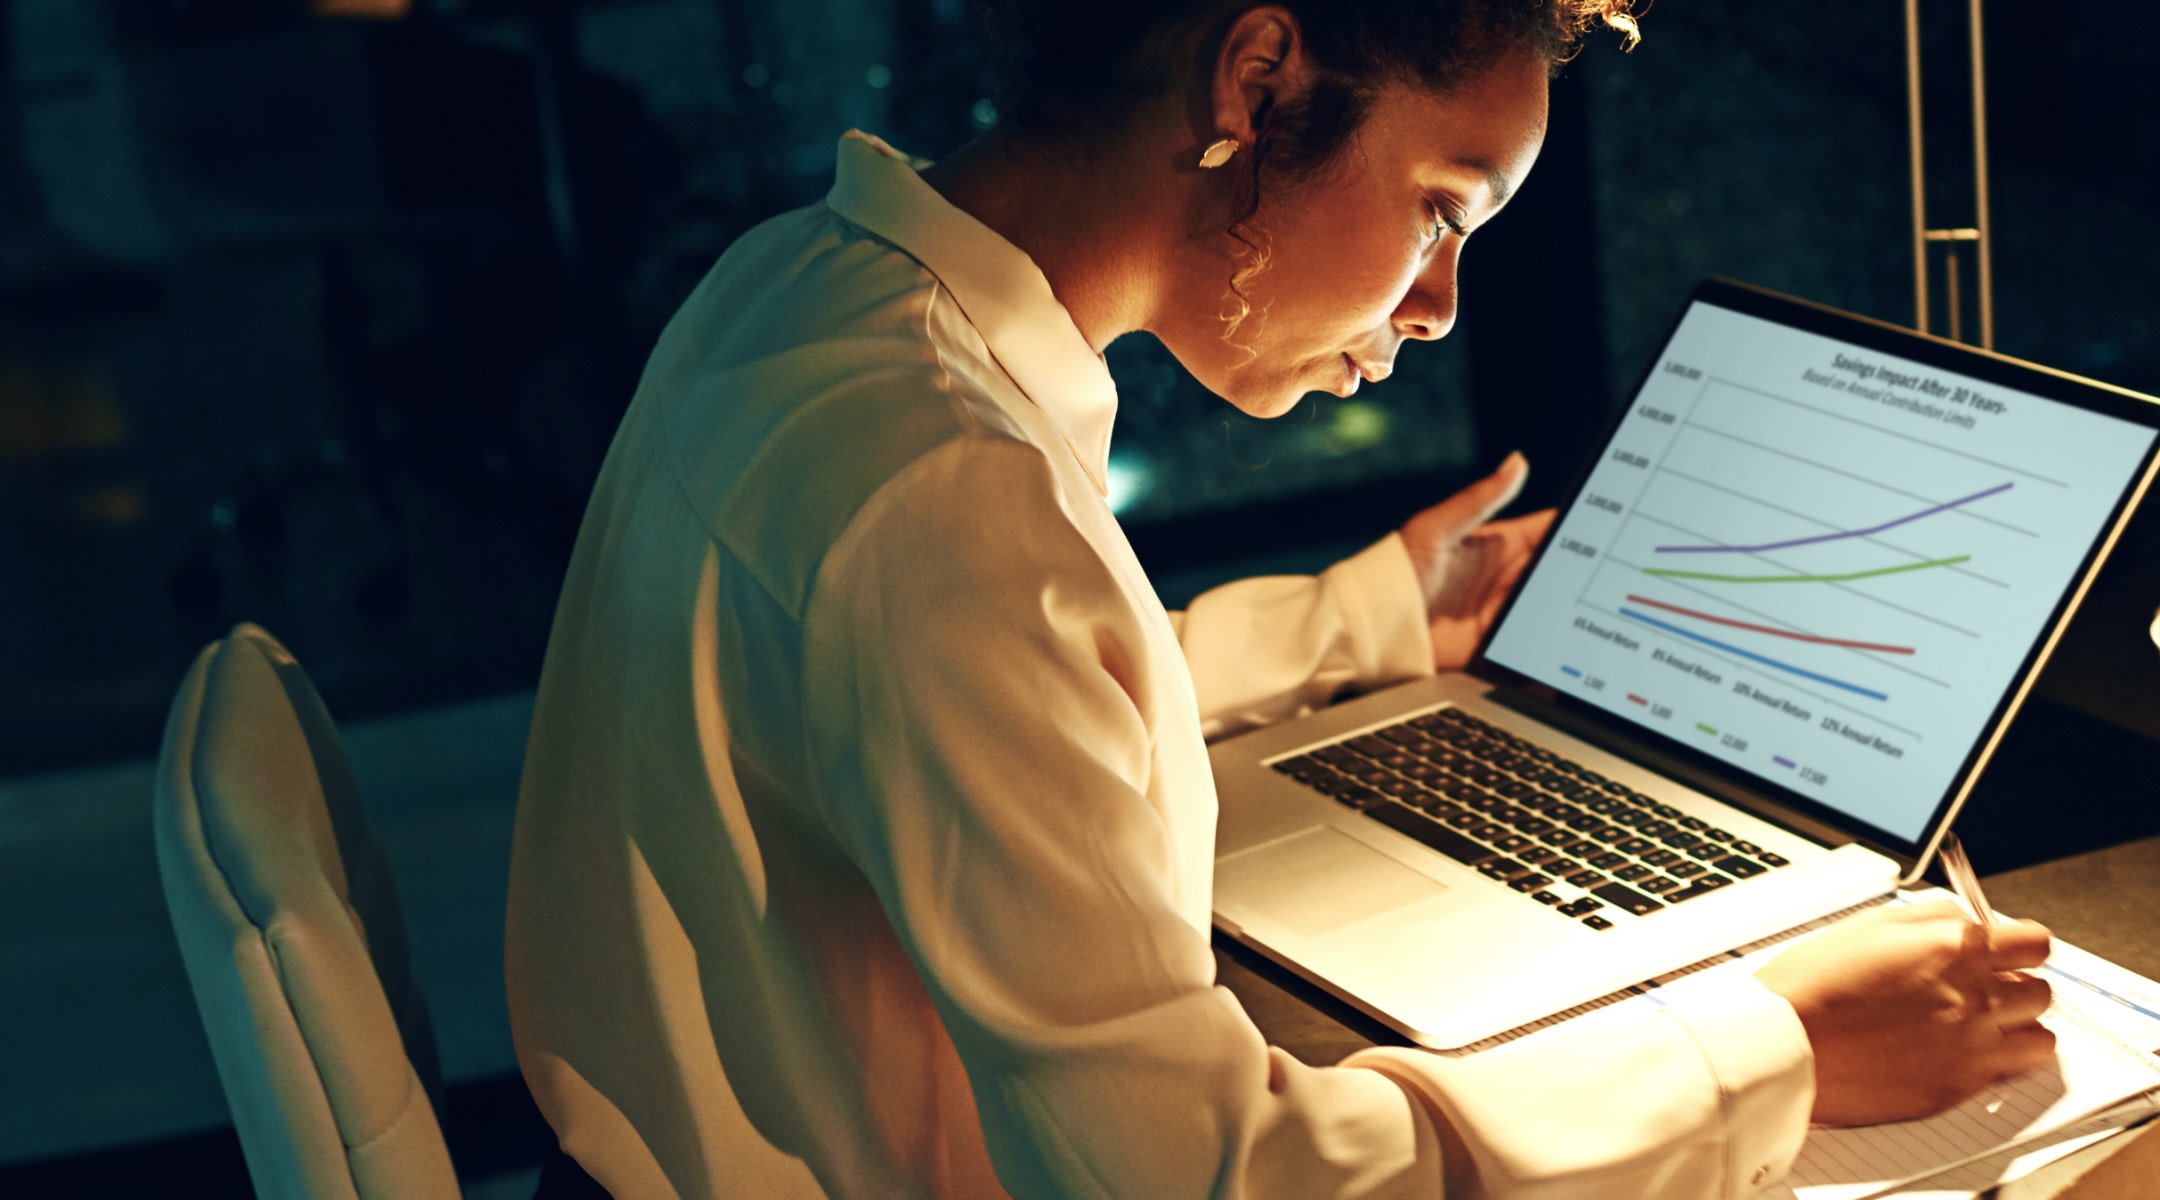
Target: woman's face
[{"x": 1363, "y": 257}]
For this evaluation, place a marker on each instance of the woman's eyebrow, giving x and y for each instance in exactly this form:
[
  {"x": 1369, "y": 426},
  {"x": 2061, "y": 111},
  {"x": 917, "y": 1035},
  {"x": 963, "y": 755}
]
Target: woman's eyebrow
[{"x": 1495, "y": 179}]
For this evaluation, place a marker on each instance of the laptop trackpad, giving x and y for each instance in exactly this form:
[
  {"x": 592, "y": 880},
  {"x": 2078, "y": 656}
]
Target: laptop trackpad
[{"x": 1318, "y": 881}]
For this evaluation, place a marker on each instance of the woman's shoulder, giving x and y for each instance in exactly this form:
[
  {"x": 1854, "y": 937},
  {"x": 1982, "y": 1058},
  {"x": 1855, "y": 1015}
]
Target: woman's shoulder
[{"x": 815, "y": 365}]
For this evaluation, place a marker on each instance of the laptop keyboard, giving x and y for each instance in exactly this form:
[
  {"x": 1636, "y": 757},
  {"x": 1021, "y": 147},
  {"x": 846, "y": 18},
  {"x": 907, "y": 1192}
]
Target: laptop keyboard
[{"x": 1529, "y": 818}]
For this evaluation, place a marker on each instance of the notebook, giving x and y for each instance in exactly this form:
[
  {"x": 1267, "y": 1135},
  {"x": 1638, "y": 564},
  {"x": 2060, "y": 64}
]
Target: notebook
[{"x": 1775, "y": 634}]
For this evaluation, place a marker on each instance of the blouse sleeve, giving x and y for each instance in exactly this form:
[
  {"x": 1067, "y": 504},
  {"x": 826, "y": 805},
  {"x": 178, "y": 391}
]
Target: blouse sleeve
[
  {"x": 1276, "y": 646},
  {"x": 976, "y": 685}
]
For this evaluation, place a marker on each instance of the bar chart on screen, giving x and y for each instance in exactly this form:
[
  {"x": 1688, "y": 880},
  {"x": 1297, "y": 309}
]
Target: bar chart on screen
[{"x": 1789, "y": 562}]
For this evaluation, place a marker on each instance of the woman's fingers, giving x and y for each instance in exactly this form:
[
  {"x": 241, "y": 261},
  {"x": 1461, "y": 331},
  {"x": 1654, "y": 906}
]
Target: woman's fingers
[
  {"x": 2026, "y": 1049},
  {"x": 2020, "y": 1001},
  {"x": 1459, "y": 514},
  {"x": 2016, "y": 944}
]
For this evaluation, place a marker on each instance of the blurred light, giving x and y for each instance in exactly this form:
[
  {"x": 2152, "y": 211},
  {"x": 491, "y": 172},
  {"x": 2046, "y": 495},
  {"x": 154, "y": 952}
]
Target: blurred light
[
  {"x": 783, "y": 93},
  {"x": 47, "y": 410},
  {"x": 1126, "y": 481},
  {"x": 878, "y": 76},
  {"x": 985, "y": 114},
  {"x": 1357, "y": 425},
  {"x": 111, "y": 506},
  {"x": 756, "y": 75},
  {"x": 373, "y": 10}
]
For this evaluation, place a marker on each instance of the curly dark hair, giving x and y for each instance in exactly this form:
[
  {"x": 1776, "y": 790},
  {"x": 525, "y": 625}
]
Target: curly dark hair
[{"x": 1080, "y": 71}]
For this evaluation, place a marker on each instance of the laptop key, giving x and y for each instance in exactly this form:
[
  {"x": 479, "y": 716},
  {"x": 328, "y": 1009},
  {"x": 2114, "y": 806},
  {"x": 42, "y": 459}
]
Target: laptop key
[
  {"x": 1632, "y": 845},
  {"x": 1557, "y": 837},
  {"x": 1400, "y": 788},
  {"x": 1717, "y": 835},
  {"x": 1621, "y": 896},
  {"x": 1659, "y": 858},
  {"x": 1534, "y": 826},
  {"x": 1738, "y": 867},
  {"x": 1746, "y": 847},
  {"x": 1583, "y": 847},
  {"x": 1659, "y": 885},
  {"x": 1489, "y": 830},
  {"x": 1428, "y": 832},
  {"x": 1529, "y": 883},
  {"x": 1688, "y": 870},
  {"x": 1581, "y": 906},
  {"x": 1695, "y": 823},
  {"x": 1562, "y": 867},
  {"x": 1545, "y": 897},
  {"x": 1608, "y": 860},
  {"x": 1502, "y": 867},
  {"x": 1707, "y": 851},
  {"x": 1597, "y": 922},
  {"x": 1609, "y": 833},
  {"x": 1463, "y": 819},
  {"x": 1537, "y": 856},
  {"x": 1774, "y": 860},
  {"x": 1371, "y": 746},
  {"x": 1515, "y": 841},
  {"x": 1631, "y": 872},
  {"x": 1586, "y": 879},
  {"x": 1361, "y": 798},
  {"x": 1702, "y": 887}
]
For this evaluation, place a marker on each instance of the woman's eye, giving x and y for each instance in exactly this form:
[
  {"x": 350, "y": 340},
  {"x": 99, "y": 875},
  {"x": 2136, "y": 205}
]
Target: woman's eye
[{"x": 1443, "y": 222}]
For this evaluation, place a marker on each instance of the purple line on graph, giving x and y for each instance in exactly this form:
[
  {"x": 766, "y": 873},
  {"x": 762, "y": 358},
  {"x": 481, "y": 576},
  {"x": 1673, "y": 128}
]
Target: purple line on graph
[
  {"x": 1781, "y": 760},
  {"x": 1832, "y": 537}
]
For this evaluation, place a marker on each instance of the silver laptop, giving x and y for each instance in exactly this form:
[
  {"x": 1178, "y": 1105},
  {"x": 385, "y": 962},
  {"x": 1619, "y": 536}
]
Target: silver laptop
[{"x": 1772, "y": 640}]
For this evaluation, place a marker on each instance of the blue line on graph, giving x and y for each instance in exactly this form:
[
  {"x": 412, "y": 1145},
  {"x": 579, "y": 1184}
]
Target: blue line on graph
[
  {"x": 1768, "y": 662},
  {"x": 2125, "y": 1001},
  {"x": 1782, "y": 761},
  {"x": 1571, "y": 671}
]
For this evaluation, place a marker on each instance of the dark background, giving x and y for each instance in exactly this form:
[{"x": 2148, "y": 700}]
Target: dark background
[{"x": 324, "y": 320}]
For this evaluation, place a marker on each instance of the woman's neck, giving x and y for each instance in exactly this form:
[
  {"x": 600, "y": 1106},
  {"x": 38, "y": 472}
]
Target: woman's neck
[{"x": 1103, "y": 229}]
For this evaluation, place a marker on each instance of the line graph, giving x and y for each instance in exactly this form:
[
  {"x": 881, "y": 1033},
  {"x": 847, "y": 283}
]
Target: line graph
[
  {"x": 1750, "y": 655},
  {"x": 1946, "y": 506},
  {"x": 1900, "y": 569},
  {"x": 1883, "y": 558},
  {"x": 1775, "y": 632}
]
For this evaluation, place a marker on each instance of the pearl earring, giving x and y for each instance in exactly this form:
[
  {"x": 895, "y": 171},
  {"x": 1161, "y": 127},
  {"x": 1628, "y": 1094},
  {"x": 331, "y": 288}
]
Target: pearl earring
[{"x": 1218, "y": 154}]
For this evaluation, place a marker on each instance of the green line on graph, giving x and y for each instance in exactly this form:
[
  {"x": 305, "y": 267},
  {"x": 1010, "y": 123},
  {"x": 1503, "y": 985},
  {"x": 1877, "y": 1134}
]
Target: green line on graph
[
  {"x": 1918, "y": 566},
  {"x": 1706, "y": 729}
]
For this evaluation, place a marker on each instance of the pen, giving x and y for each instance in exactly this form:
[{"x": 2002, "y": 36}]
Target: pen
[{"x": 1964, "y": 881}]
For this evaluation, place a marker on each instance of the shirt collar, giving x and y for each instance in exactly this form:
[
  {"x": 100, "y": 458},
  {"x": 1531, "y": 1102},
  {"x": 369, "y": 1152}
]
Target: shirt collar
[{"x": 1002, "y": 291}]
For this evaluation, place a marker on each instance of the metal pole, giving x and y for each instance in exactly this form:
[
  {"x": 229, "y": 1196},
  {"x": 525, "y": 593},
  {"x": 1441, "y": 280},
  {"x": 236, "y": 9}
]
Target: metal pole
[
  {"x": 1919, "y": 181},
  {"x": 1986, "y": 279}
]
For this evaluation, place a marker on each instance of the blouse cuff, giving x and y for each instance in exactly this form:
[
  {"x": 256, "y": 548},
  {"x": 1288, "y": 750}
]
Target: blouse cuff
[
  {"x": 1758, "y": 1052},
  {"x": 1383, "y": 609}
]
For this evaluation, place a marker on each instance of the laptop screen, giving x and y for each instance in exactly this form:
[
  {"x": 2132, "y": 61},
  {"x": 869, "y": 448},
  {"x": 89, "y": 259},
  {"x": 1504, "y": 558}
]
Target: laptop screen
[{"x": 1819, "y": 560}]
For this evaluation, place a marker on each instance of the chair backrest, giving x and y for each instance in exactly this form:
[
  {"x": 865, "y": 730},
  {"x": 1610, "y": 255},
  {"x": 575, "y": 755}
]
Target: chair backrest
[{"x": 293, "y": 940}]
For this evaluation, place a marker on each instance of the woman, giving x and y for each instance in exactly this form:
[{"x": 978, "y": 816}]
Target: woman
[{"x": 864, "y": 845}]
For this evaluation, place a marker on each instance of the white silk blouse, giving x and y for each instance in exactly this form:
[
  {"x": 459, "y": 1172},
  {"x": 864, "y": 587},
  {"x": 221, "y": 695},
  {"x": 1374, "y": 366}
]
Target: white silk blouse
[{"x": 865, "y": 838}]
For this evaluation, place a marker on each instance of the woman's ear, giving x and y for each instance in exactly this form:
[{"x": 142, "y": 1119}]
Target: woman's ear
[{"x": 1261, "y": 65}]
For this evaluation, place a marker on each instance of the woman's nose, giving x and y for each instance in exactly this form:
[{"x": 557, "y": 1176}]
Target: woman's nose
[{"x": 1427, "y": 311}]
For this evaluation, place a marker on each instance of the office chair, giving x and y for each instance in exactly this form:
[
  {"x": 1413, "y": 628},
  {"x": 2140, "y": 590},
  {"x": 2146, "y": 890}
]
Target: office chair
[{"x": 293, "y": 940}]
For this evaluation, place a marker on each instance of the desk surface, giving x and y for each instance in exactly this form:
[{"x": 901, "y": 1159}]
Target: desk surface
[{"x": 2104, "y": 901}]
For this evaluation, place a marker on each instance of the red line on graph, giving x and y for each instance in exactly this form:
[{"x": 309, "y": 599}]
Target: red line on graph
[
  {"x": 1783, "y": 633},
  {"x": 1636, "y": 699}
]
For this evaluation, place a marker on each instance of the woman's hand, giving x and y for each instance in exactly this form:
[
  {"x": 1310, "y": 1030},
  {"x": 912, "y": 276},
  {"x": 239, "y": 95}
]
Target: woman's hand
[
  {"x": 1467, "y": 563},
  {"x": 1912, "y": 1009}
]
